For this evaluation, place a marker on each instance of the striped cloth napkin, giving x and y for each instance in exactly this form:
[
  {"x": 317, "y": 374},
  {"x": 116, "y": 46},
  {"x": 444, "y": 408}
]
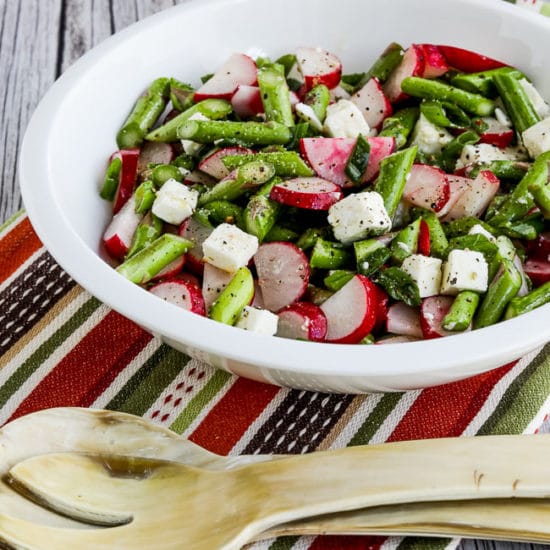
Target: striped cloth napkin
[{"x": 59, "y": 346}]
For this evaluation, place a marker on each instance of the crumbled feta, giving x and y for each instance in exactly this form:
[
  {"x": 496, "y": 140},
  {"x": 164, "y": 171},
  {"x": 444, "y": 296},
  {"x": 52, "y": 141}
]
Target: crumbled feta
[
  {"x": 478, "y": 229},
  {"x": 175, "y": 202},
  {"x": 258, "y": 320},
  {"x": 464, "y": 270},
  {"x": 308, "y": 114},
  {"x": 192, "y": 147},
  {"x": 537, "y": 138},
  {"x": 426, "y": 271},
  {"x": 428, "y": 137},
  {"x": 541, "y": 107},
  {"x": 482, "y": 153},
  {"x": 345, "y": 120},
  {"x": 359, "y": 215},
  {"x": 229, "y": 248}
]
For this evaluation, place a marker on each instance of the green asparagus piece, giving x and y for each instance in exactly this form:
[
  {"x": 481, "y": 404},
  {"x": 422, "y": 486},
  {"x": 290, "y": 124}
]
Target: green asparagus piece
[
  {"x": 451, "y": 151},
  {"x": 286, "y": 163},
  {"x": 310, "y": 235},
  {"x": 149, "y": 229},
  {"x": 399, "y": 285},
  {"x": 400, "y": 125},
  {"x": 164, "y": 172},
  {"x": 482, "y": 82},
  {"x": 523, "y": 304},
  {"x": 438, "y": 239},
  {"x": 370, "y": 256},
  {"x": 144, "y": 114},
  {"x": 405, "y": 242},
  {"x": 502, "y": 289},
  {"x": 434, "y": 89},
  {"x": 462, "y": 226},
  {"x": 260, "y": 216},
  {"x": 503, "y": 169},
  {"x": 146, "y": 263},
  {"x": 337, "y": 278},
  {"x": 213, "y": 109},
  {"x": 244, "y": 133},
  {"x": 275, "y": 94},
  {"x": 185, "y": 161},
  {"x": 110, "y": 183},
  {"x": 318, "y": 98},
  {"x": 356, "y": 165},
  {"x": 181, "y": 95},
  {"x": 384, "y": 65},
  {"x": 220, "y": 211},
  {"x": 280, "y": 233},
  {"x": 477, "y": 242},
  {"x": 539, "y": 186},
  {"x": 392, "y": 178},
  {"x": 233, "y": 298},
  {"x": 144, "y": 196},
  {"x": 287, "y": 61},
  {"x": 329, "y": 255},
  {"x": 462, "y": 311},
  {"x": 517, "y": 103}
]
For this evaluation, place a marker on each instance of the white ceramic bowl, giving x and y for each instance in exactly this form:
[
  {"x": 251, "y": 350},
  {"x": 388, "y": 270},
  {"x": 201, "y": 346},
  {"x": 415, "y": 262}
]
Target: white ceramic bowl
[{"x": 72, "y": 134}]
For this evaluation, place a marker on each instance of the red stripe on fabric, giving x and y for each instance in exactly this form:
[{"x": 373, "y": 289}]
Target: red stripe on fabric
[
  {"x": 229, "y": 419},
  {"x": 88, "y": 368},
  {"x": 347, "y": 543},
  {"x": 446, "y": 411},
  {"x": 16, "y": 247}
]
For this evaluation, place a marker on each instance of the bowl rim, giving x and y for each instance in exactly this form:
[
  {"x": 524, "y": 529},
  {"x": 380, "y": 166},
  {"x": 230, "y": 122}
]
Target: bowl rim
[{"x": 210, "y": 337}]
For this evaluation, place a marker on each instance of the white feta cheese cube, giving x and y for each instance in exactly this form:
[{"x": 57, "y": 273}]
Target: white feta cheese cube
[
  {"x": 258, "y": 320},
  {"x": 541, "y": 107},
  {"x": 306, "y": 113},
  {"x": 345, "y": 120},
  {"x": 426, "y": 271},
  {"x": 175, "y": 202},
  {"x": 192, "y": 147},
  {"x": 478, "y": 229},
  {"x": 428, "y": 137},
  {"x": 229, "y": 248},
  {"x": 464, "y": 270},
  {"x": 358, "y": 216},
  {"x": 537, "y": 138}
]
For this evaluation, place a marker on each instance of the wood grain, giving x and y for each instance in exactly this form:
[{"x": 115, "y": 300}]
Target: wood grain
[{"x": 38, "y": 41}]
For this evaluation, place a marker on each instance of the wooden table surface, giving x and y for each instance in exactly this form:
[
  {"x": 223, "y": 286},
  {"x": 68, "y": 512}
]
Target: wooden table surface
[{"x": 39, "y": 39}]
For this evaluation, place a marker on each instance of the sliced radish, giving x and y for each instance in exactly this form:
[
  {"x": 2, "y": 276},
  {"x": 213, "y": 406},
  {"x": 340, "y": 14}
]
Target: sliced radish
[
  {"x": 238, "y": 69},
  {"x": 432, "y": 313},
  {"x": 412, "y": 64},
  {"x": 119, "y": 233},
  {"x": 328, "y": 157},
  {"x": 309, "y": 193},
  {"x": 396, "y": 340},
  {"x": 538, "y": 271},
  {"x": 435, "y": 63},
  {"x": 457, "y": 187},
  {"x": 196, "y": 232},
  {"x": 382, "y": 300},
  {"x": 424, "y": 241},
  {"x": 127, "y": 177},
  {"x": 213, "y": 165},
  {"x": 154, "y": 152},
  {"x": 351, "y": 312},
  {"x": 214, "y": 280},
  {"x": 171, "y": 270},
  {"x": 539, "y": 249},
  {"x": 283, "y": 273},
  {"x": 373, "y": 103},
  {"x": 467, "y": 60},
  {"x": 258, "y": 300},
  {"x": 190, "y": 278},
  {"x": 302, "y": 321},
  {"x": 247, "y": 101},
  {"x": 496, "y": 133},
  {"x": 339, "y": 93},
  {"x": 180, "y": 293},
  {"x": 196, "y": 176},
  {"x": 319, "y": 67},
  {"x": 404, "y": 320},
  {"x": 476, "y": 198},
  {"x": 427, "y": 187}
]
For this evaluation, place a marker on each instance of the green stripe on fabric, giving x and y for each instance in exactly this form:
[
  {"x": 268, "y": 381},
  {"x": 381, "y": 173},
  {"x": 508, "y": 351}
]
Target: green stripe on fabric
[
  {"x": 284, "y": 543},
  {"x": 423, "y": 543},
  {"x": 523, "y": 399},
  {"x": 144, "y": 387},
  {"x": 195, "y": 406},
  {"x": 375, "y": 419},
  {"x": 24, "y": 372},
  {"x": 12, "y": 220}
]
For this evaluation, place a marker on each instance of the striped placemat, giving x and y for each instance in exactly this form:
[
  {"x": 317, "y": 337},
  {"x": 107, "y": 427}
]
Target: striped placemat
[{"x": 59, "y": 346}]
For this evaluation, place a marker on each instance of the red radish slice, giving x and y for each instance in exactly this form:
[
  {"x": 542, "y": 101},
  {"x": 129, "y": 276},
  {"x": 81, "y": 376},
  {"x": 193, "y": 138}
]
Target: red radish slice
[
  {"x": 338, "y": 93},
  {"x": 213, "y": 164},
  {"x": 154, "y": 152},
  {"x": 238, "y": 69},
  {"x": 396, "y": 340},
  {"x": 180, "y": 293},
  {"x": 351, "y": 312},
  {"x": 496, "y": 133},
  {"x": 127, "y": 177},
  {"x": 457, "y": 187},
  {"x": 538, "y": 271},
  {"x": 373, "y": 103},
  {"x": 302, "y": 321},
  {"x": 213, "y": 282},
  {"x": 382, "y": 300},
  {"x": 119, "y": 233},
  {"x": 424, "y": 242},
  {"x": 539, "y": 249},
  {"x": 283, "y": 273},
  {"x": 197, "y": 233},
  {"x": 404, "y": 320},
  {"x": 328, "y": 157},
  {"x": 247, "y": 101},
  {"x": 412, "y": 64},
  {"x": 427, "y": 187},
  {"x": 467, "y": 60},
  {"x": 189, "y": 278},
  {"x": 319, "y": 67},
  {"x": 171, "y": 270},
  {"x": 309, "y": 193},
  {"x": 258, "y": 299},
  {"x": 476, "y": 198},
  {"x": 432, "y": 313},
  {"x": 196, "y": 176},
  {"x": 435, "y": 63}
]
